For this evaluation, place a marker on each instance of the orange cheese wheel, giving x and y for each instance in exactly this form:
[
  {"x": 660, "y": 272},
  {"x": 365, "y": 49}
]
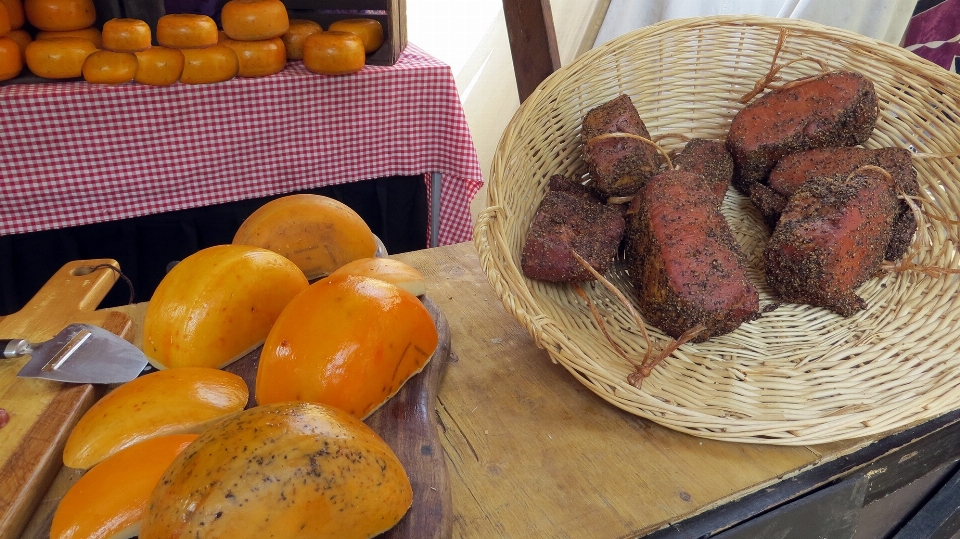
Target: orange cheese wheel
[
  {"x": 126, "y": 35},
  {"x": 369, "y": 30},
  {"x": 54, "y": 15},
  {"x": 249, "y": 20},
  {"x": 22, "y": 37},
  {"x": 259, "y": 58},
  {"x": 159, "y": 66},
  {"x": 296, "y": 34},
  {"x": 109, "y": 67},
  {"x": 334, "y": 53},
  {"x": 14, "y": 13},
  {"x": 216, "y": 63},
  {"x": 58, "y": 58},
  {"x": 90, "y": 33},
  {"x": 11, "y": 60},
  {"x": 346, "y": 341},
  {"x": 186, "y": 31}
]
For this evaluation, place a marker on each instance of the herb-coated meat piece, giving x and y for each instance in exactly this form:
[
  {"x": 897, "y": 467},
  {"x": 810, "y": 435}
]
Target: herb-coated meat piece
[
  {"x": 684, "y": 261},
  {"x": 619, "y": 163},
  {"x": 567, "y": 222},
  {"x": 833, "y": 109},
  {"x": 831, "y": 238},
  {"x": 796, "y": 169}
]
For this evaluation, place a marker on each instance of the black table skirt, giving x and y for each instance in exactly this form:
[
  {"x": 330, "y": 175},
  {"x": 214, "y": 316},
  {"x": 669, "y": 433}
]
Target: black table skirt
[{"x": 395, "y": 208}]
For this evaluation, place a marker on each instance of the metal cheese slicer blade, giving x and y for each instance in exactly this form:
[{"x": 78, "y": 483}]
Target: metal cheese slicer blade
[{"x": 80, "y": 353}]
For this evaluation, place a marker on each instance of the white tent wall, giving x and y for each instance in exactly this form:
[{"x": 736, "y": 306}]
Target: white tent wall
[{"x": 471, "y": 37}]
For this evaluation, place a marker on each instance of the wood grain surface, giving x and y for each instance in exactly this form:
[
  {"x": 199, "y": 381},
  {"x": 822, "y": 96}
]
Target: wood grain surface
[
  {"x": 43, "y": 412},
  {"x": 531, "y": 452}
]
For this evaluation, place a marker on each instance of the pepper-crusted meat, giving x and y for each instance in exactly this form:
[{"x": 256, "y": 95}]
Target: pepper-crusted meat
[
  {"x": 833, "y": 109},
  {"x": 831, "y": 238},
  {"x": 683, "y": 260},
  {"x": 709, "y": 159},
  {"x": 796, "y": 169},
  {"x": 566, "y": 222},
  {"x": 618, "y": 165},
  {"x": 559, "y": 182},
  {"x": 769, "y": 202},
  {"x": 615, "y": 116}
]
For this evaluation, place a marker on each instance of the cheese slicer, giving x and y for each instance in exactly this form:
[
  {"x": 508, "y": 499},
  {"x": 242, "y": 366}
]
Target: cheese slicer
[{"x": 81, "y": 354}]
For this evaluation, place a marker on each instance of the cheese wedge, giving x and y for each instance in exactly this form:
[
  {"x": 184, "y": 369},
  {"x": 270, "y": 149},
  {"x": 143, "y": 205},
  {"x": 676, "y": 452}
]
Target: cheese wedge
[
  {"x": 174, "y": 401},
  {"x": 111, "y": 498}
]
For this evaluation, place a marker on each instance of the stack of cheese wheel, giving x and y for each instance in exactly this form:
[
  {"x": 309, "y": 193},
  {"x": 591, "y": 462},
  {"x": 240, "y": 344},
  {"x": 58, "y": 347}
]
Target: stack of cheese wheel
[
  {"x": 17, "y": 33},
  {"x": 204, "y": 60},
  {"x": 65, "y": 36},
  {"x": 343, "y": 48},
  {"x": 296, "y": 34},
  {"x": 116, "y": 63},
  {"x": 156, "y": 66},
  {"x": 11, "y": 61},
  {"x": 252, "y": 29}
]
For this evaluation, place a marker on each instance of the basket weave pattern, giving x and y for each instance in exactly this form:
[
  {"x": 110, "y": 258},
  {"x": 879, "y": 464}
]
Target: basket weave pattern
[{"x": 799, "y": 374}]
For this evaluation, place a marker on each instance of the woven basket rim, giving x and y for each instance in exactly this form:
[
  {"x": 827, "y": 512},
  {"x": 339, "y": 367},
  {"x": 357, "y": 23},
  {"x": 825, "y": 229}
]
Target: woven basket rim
[{"x": 499, "y": 257}]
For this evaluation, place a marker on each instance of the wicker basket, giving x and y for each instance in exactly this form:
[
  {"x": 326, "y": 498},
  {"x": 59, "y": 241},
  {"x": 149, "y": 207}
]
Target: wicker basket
[{"x": 798, "y": 375}]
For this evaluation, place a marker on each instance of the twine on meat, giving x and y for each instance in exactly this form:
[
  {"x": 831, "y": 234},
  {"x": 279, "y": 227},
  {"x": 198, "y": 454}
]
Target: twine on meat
[{"x": 767, "y": 80}]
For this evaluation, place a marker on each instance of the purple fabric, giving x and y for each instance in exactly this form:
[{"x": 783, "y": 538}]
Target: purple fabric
[{"x": 935, "y": 34}]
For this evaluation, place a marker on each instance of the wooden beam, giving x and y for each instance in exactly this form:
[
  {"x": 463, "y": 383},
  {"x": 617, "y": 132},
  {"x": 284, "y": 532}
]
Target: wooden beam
[{"x": 533, "y": 42}]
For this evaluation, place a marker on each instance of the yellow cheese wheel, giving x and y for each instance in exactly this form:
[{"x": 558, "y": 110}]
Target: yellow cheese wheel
[
  {"x": 14, "y": 13},
  {"x": 58, "y": 58},
  {"x": 369, "y": 30},
  {"x": 287, "y": 471},
  {"x": 11, "y": 60},
  {"x": 111, "y": 498},
  {"x": 54, "y": 15},
  {"x": 259, "y": 58},
  {"x": 386, "y": 269},
  {"x": 334, "y": 53},
  {"x": 254, "y": 19},
  {"x": 159, "y": 66},
  {"x": 91, "y": 34},
  {"x": 216, "y": 63},
  {"x": 346, "y": 341},
  {"x": 126, "y": 35},
  {"x": 294, "y": 37},
  {"x": 109, "y": 67},
  {"x": 23, "y": 38},
  {"x": 317, "y": 233},
  {"x": 217, "y": 305},
  {"x": 186, "y": 31}
]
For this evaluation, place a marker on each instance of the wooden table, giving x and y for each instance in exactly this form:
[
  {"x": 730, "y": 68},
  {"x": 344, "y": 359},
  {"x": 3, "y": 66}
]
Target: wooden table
[{"x": 533, "y": 453}]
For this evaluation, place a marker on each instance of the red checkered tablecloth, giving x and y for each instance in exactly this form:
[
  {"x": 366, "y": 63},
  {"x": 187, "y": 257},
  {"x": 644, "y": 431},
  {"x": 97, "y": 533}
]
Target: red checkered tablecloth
[{"x": 73, "y": 153}]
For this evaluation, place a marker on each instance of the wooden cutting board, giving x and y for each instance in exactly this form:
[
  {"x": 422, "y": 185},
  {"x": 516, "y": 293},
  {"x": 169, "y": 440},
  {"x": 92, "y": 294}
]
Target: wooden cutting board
[
  {"x": 407, "y": 422},
  {"x": 43, "y": 412}
]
